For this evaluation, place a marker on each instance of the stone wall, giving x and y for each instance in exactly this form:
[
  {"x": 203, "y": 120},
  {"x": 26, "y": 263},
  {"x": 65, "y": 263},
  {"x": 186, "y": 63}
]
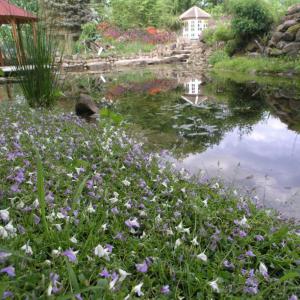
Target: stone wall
[{"x": 286, "y": 38}]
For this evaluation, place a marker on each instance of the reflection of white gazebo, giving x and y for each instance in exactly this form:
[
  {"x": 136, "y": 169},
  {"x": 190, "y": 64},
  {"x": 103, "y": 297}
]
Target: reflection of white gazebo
[
  {"x": 195, "y": 20},
  {"x": 193, "y": 92}
]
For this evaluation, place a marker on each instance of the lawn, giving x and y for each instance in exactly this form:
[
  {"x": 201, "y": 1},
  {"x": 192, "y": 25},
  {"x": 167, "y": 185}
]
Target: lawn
[
  {"x": 261, "y": 65},
  {"x": 86, "y": 213}
]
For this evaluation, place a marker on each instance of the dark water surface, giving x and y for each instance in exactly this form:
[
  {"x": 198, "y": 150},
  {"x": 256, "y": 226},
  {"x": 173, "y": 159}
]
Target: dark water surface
[{"x": 244, "y": 133}]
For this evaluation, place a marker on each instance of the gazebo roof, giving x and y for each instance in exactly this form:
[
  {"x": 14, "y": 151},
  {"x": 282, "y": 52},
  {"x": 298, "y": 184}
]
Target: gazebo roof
[
  {"x": 195, "y": 13},
  {"x": 9, "y": 12}
]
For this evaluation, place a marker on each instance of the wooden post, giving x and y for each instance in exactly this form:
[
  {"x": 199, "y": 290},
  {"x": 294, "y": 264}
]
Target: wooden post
[
  {"x": 1, "y": 59},
  {"x": 16, "y": 38},
  {"x": 22, "y": 53}
]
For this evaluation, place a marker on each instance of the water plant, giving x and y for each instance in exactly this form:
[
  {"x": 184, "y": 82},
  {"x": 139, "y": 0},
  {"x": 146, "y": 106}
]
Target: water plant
[
  {"x": 97, "y": 217},
  {"x": 36, "y": 67}
]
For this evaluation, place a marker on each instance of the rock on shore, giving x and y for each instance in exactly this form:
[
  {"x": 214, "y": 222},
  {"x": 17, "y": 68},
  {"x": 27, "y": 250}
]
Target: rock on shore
[{"x": 286, "y": 38}]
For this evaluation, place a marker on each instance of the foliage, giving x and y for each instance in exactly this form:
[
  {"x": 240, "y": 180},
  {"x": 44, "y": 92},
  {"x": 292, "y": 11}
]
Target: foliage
[
  {"x": 218, "y": 56},
  {"x": 259, "y": 65},
  {"x": 208, "y": 36},
  {"x": 223, "y": 33},
  {"x": 250, "y": 18},
  {"x": 35, "y": 66},
  {"x": 232, "y": 46},
  {"x": 121, "y": 222}
]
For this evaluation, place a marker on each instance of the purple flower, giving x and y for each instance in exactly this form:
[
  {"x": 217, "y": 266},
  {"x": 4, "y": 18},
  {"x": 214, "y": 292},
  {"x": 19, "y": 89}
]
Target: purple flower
[
  {"x": 228, "y": 265},
  {"x": 143, "y": 267},
  {"x": 293, "y": 297},
  {"x": 242, "y": 234},
  {"x": 4, "y": 256},
  {"x": 259, "y": 238},
  {"x": 36, "y": 219},
  {"x": 10, "y": 271},
  {"x": 250, "y": 253},
  {"x": 78, "y": 297},
  {"x": 132, "y": 223},
  {"x": 7, "y": 294},
  {"x": 56, "y": 285},
  {"x": 105, "y": 273},
  {"x": 71, "y": 255},
  {"x": 109, "y": 247},
  {"x": 165, "y": 289}
]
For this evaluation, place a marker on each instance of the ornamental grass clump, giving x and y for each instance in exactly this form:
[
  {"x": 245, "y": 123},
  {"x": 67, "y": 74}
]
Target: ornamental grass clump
[
  {"x": 94, "y": 216},
  {"x": 35, "y": 66}
]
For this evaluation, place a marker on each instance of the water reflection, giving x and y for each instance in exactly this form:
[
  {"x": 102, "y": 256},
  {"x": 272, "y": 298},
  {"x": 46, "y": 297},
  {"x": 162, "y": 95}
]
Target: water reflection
[{"x": 245, "y": 133}]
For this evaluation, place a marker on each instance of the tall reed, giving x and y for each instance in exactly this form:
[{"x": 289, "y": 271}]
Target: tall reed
[{"x": 36, "y": 68}]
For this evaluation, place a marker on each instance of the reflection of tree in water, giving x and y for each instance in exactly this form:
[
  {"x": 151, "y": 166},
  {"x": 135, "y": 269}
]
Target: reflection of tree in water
[
  {"x": 170, "y": 123},
  {"x": 285, "y": 104}
]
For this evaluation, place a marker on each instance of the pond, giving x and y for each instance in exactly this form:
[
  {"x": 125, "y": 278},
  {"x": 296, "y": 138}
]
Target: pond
[{"x": 243, "y": 133}]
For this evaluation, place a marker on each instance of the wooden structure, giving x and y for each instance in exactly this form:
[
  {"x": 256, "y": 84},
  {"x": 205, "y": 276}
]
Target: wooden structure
[
  {"x": 15, "y": 16},
  {"x": 195, "y": 20}
]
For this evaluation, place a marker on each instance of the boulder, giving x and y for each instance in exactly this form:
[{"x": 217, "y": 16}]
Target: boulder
[
  {"x": 292, "y": 17},
  {"x": 85, "y": 106},
  {"x": 294, "y": 28},
  {"x": 275, "y": 52},
  {"x": 252, "y": 47},
  {"x": 281, "y": 45},
  {"x": 276, "y": 37},
  {"x": 286, "y": 25},
  {"x": 297, "y": 38},
  {"x": 292, "y": 48},
  {"x": 294, "y": 9},
  {"x": 288, "y": 37}
]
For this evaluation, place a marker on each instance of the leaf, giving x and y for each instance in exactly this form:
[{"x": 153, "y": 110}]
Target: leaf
[
  {"x": 280, "y": 234},
  {"x": 289, "y": 276},
  {"x": 41, "y": 190},
  {"x": 72, "y": 278}
]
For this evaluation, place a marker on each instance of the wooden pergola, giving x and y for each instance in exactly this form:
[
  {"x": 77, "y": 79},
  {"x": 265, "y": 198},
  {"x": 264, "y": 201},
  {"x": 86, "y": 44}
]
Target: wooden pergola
[{"x": 15, "y": 16}]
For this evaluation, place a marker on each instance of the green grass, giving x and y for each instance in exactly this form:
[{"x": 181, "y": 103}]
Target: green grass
[
  {"x": 262, "y": 65},
  {"x": 89, "y": 180}
]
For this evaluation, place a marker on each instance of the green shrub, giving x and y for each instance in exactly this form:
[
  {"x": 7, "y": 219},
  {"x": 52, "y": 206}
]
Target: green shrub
[
  {"x": 218, "y": 56},
  {"x": 223, "y": 33},
  {"x": 250, "y": 18},
  {"x": 208, "y": 36},
  {"x": 232, "y": 46}
]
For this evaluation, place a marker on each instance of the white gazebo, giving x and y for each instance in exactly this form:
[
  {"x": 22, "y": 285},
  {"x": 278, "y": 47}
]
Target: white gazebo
[
  {"x": 193, "y": 92},
  {"x": 195, "y": 21}
]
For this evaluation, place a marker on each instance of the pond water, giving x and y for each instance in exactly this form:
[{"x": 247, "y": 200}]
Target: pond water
[{"x": 243, "y": 133}]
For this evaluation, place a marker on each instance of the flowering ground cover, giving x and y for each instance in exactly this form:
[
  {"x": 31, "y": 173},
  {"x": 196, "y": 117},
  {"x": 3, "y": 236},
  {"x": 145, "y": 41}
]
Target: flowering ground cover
[{"x": 85, "y": 213}]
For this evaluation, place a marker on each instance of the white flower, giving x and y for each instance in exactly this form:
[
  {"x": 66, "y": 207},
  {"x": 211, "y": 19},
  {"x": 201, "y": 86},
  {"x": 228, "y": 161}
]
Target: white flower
[
  {"x": 123, "y": 275},
  {"x": 214, "y": 285},
  {"x": 137, "y": 289},
  {"x": 104, "y": 227},
  {"x": 263, "y": 269},
  {"x": 126, "y": 182},
  {"x": 49, "y": 290},
  {"x": 3, "y": 232},
  {"x": 202, "y": 256},
  {"x": 205, "y": 202},
  {"x": 177, "y": 243},
  {"x": 56, "y": 252},
  {"x": 27, "y": 249},
  {"x": 20, "y": 205},
  {"x": 158, "y": 219},
  {"x": 73, "y": 239},
  {"x": 195, "y": 242},
  {"x": 181, "y": 229},
  {"x": 58, "y": 227},
  {"x": 59, "y": 215},
  {"x": 90, "y": 209},
  {"x": 35, "y": 203},
  {"x": 4, "y": 215},
  {"x": 102, "y": 252},
  {"x": 11, "y": 230}
]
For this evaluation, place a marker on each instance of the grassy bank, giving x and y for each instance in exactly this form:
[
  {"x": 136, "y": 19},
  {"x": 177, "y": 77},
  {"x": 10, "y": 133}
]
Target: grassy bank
[
  {"x": 95, "y": 217},
  {"x": 260, "y": 65}
]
